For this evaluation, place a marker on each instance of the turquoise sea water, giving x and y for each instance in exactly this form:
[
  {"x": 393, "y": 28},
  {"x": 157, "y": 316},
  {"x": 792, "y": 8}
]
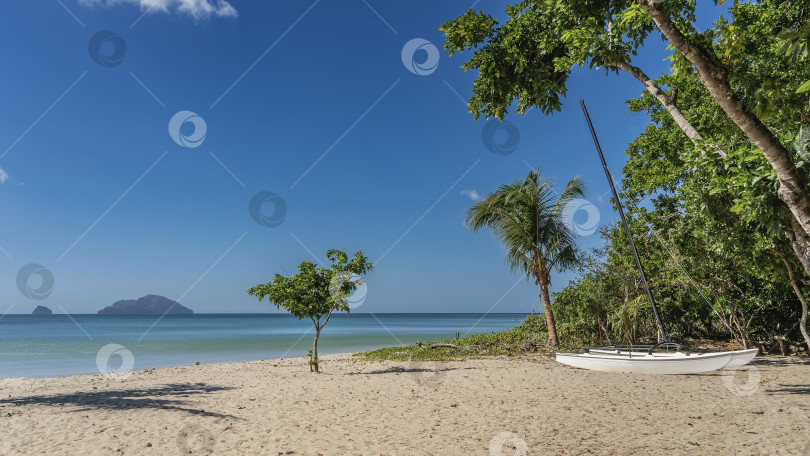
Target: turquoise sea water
[{"x": 58, "y": 345}]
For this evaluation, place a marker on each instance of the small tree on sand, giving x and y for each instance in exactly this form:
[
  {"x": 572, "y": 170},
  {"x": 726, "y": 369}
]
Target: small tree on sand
[{"x": 316, "y": 293}]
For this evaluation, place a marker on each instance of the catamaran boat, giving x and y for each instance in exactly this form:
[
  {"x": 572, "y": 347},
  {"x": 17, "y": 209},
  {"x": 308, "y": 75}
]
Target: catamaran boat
[
  {"x": 664, "y": 357},
  {"x": 643, "y": 359}
]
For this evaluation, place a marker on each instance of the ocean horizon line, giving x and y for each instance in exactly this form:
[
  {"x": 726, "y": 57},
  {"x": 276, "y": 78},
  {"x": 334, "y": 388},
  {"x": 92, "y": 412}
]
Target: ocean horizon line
[{"x": 269, "y": 313}]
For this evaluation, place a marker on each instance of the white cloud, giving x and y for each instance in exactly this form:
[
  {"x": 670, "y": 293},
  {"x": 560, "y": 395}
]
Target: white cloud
[
  {"x": 472, "y": 194},
  {"x": 3, "y": 176},
  {"x": 198, "y": 9}
]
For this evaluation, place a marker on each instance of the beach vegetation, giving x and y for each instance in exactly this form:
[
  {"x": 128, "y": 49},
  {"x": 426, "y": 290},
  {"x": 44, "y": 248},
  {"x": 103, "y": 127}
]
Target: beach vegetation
[{"x": 524, "y": 337}]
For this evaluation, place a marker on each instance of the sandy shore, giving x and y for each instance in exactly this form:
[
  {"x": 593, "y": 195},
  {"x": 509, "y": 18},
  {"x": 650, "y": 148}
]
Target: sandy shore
[{"x": 481, "y": 407}]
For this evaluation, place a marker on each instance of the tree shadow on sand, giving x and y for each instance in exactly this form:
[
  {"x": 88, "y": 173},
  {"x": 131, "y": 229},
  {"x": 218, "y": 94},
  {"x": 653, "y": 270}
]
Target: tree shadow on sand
[
  {"x": 781, "y": 361},
  {"x": 415, "y": 366},
  {"x": 768, "y": 370},
  {"x": 768, "y": 365},
  {"x": 165, "y": 397},
  {"x": 791, "y": 389}
]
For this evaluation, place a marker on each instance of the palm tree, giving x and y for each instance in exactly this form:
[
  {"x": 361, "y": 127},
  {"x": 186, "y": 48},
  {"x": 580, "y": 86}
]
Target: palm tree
[{"x": 532, "y": 226}]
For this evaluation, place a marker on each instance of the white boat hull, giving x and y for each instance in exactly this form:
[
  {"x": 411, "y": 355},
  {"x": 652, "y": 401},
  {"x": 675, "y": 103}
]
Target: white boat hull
[
  {"x": 657, "y": 363},
  {"x": 738, "y": 358},
  {"x": 742, "y": 357}
]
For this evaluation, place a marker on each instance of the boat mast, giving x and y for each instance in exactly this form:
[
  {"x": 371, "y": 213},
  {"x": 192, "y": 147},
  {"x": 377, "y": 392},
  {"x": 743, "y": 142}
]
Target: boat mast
[{"x": 664, "y": 335}]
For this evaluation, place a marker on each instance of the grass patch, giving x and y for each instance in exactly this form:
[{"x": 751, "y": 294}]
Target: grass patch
[{"x": 510, "y": 342}]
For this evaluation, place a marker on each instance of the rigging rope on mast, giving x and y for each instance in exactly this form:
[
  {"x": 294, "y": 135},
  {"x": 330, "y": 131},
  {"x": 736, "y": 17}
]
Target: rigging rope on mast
[
  {"x": 680, "y": 266},
  {"x": 630, "y": 238}
]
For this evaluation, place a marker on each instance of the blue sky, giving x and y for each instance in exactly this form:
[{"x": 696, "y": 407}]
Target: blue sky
[{"x": 96, "y": 190}]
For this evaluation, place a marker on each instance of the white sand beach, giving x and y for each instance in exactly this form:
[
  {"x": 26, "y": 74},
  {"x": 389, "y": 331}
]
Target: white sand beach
[{"x": 477, "y": 407}]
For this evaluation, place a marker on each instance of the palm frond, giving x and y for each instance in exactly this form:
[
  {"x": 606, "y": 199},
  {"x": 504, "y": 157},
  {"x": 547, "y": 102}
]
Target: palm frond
[{"x": 526, "y": 216}]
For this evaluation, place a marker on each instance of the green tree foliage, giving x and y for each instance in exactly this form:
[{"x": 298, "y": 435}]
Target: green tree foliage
[
  {"x": 724, "y": 209},
  {"x": 530, "y": 223},
  {"x": 745, "y": 74},
  {"x": 795, "y": 42},
  {"x": 316, "y": 292},
  {"x": 723, "y": 246},
  {"x": 713, "y": 232}
]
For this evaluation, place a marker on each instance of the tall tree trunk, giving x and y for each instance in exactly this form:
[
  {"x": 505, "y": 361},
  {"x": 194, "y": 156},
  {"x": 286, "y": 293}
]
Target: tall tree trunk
[
  {"x": 714, "y": 76},
  {"x": 798, "y": 291},
  {"x": 552, "y": 326},
  {"x": 313, "y": 361}
]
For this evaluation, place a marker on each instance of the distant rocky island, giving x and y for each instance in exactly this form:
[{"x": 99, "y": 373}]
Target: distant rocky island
[
  {"x": 42, "y": 310},
  {"x": 147, "y": 305}
]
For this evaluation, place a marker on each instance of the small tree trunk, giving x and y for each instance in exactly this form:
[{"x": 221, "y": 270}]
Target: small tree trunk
[
  {"x": 552, "y": 326},
  {"x": 738, "y": 319},
  {"x": 798, "y": 291},
  {"x": 803, "y": 320},
  {"x": 313, "y": 361},
  {"x": 605, "y": 332},
  {"x": 800, "y": 241}
]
